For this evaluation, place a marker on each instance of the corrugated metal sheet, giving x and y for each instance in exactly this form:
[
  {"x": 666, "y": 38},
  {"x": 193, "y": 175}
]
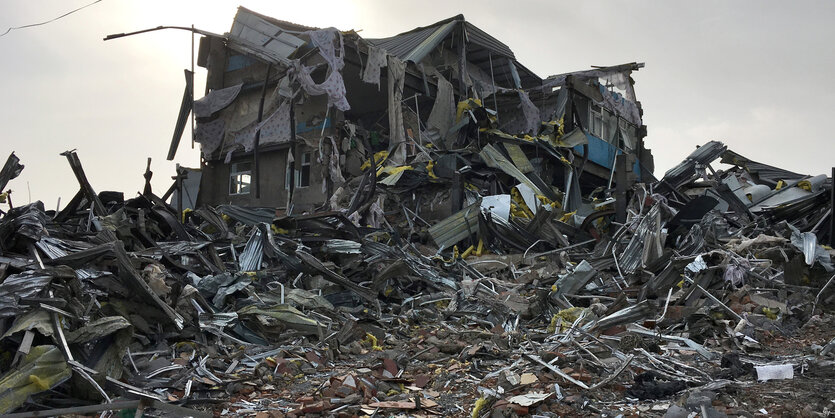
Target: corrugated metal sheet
[
  {"x": 764, "y": 172},
  {"x": 460, "y": 225},
  {"x": 17, "y": 286},
  {"x": 518, "y": 156},
  {"x": 253, "y": 254},
  {"x": 493, "y": 158},
  {"x": 482, "y": 38},
  {"x": 248, "y": 216},
  {"x": 265, "y": 34},
  {"x": 403, "y": 44},
  {"x": 283, "y": 24},
  {"x": 416, "y": 43},
  {"x": 268, "y": 39},
  {"x": 10, "y": 170}
]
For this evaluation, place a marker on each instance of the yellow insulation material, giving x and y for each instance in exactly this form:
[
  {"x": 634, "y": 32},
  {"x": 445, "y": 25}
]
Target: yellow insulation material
[
  {"x": 479, "y": 405},
  {"x": 379, "y": 158},
  {"x": 370, "y": 338},
  {"x": 393, "y": 170}
]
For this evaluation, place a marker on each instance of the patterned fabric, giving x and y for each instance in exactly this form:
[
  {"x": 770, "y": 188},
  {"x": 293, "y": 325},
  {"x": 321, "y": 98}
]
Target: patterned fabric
[
  {"x": 376, "y": 60},
  {"x": 276, "y": 128},
  {"x": 324, "y": 40},
  {"x": 246, "y": 137},
  {"x": 334, "y": 85},
  {"x": 215, "y": 101},
  {"x": 209, "y": 135}
]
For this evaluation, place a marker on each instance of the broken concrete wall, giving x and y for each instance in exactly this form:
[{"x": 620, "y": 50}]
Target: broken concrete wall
[
  {"x": 215, "y": 187},
  {"x": 313, "y": 122}
]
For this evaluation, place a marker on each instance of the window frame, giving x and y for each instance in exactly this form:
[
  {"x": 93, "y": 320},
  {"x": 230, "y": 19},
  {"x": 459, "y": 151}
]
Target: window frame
[
  {"x": 304, "y": 160},
  {"x": 596, "y": 113},
  {"x": 236, "y": 178}
]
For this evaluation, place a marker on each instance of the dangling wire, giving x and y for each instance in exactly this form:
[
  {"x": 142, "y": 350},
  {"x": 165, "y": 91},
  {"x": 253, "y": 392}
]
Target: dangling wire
[{"x": 48, "y": 21}]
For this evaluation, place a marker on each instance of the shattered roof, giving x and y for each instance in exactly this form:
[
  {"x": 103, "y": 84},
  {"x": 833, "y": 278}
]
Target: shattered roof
[
  {"x": 402, "y": 45},
  {"x": 416, "y": 43},
  {"x": 483, "y": 50},
  {"x": 283, "y": 24},
  {"x": 406, "y": 44}
]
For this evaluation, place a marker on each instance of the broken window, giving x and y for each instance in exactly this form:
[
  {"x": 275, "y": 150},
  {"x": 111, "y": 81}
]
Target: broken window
[
  {"x": 302, "y": 173},
  {"x": 596, "y": 124},
  {"x": 627, "y": 133},
  {"x": 240, "y": 178}
]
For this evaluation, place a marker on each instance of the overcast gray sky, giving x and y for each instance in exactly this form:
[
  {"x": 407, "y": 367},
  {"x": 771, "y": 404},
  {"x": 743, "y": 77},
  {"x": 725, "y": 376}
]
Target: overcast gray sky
[{"x": 754, "y": 74}]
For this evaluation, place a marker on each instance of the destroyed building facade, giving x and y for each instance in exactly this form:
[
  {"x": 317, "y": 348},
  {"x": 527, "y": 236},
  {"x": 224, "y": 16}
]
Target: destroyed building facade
[
  {"x": 475, "y": 260},
  {"x": 292, "y": 113}
]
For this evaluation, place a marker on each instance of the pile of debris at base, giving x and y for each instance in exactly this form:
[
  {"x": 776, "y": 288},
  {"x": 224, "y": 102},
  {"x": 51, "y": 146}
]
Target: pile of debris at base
[{"x": 715, "y": 297}]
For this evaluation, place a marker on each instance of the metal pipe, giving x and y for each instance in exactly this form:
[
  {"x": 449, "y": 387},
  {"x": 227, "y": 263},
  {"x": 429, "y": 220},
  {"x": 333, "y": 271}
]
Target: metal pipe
[
  {"x": 493, "y": 82},
  {"x": 832, "y": 211},
  {"x": 257, "y": 179},
  {"x": 190, "y": 29},
  {"x": 417, "y": 111},
  {"x": 291, "y": 171},
  {"x": 192, "y": 90}
]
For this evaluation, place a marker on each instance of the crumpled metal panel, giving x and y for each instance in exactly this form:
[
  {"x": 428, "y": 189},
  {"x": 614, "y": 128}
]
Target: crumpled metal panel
[
  {"x": 683, "y": 172},
  {"x": 10, "y": 170},
  {"x": 266, "y": 39},
  {"x": 572, "y": 282},
  {"x": 17, "y": 286},
  {"x": 341, "y": 246},
  {"x": 416, "y": 264},
  {"x": 285, "y": 315},
  {"x": 460, "y": 225},
  {"x": 57, "y": 248},
  {"x": 28, "y": 221},
  {"x": 493, "y": 158},
  {"x": 253, "y": 254},
  {"x": 626, "y": 315},
  {"x": 807, "y": 242},
  {"x": 97, "y": 329},
  {"x": 810, "y": 244},
  {"x": 42, "y": 369},
  {"x": 217, "y": 321},
  {"x": 646, "y": 244},
  {"x": 407, "y": 45},
  {"x": 248, "y": 216}
]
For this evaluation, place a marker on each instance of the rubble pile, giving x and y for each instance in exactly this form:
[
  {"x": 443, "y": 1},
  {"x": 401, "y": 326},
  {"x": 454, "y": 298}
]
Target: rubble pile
[
  {"x": 715, "y": 283},
  {"x": 463, "y": 238}
]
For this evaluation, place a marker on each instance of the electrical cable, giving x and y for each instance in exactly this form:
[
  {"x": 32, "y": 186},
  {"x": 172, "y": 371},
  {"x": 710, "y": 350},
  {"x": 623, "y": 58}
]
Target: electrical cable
[{"x": 48, "y": 21}]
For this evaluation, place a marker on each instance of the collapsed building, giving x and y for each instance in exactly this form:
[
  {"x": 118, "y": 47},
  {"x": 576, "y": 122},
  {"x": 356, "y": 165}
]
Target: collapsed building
[
  {"x": 293, "y": 114},
  {"x": 484, "y": 260}
]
